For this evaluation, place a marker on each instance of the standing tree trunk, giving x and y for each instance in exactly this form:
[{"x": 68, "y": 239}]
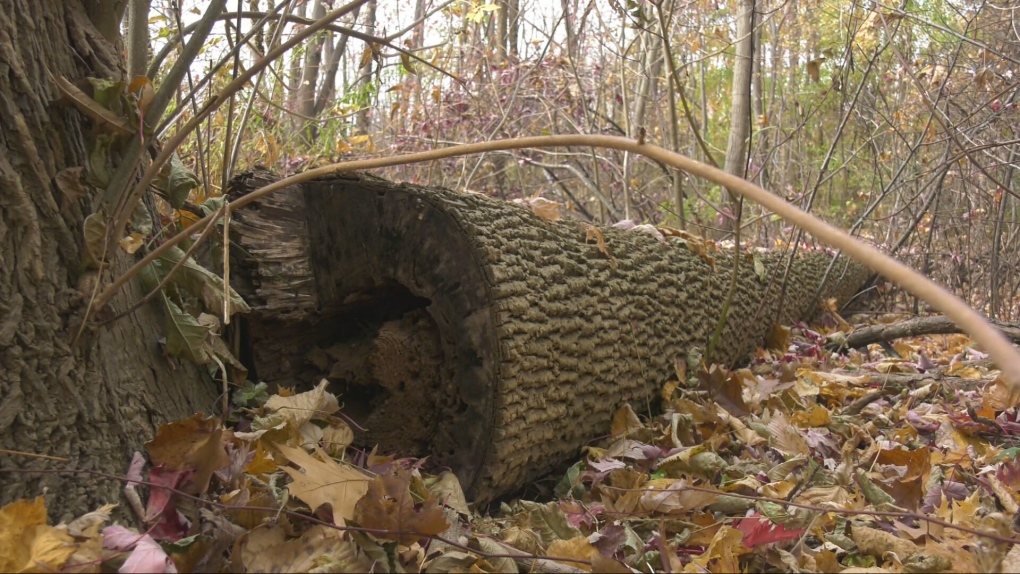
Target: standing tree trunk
[
  {"x": 97, "y": 401},
  {"x": 740, "y": 120},
  {"x": 366, "y": 98}
]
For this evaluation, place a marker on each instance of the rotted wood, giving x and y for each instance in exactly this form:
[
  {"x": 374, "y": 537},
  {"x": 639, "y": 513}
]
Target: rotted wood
[{"x": 472, "y": 331}]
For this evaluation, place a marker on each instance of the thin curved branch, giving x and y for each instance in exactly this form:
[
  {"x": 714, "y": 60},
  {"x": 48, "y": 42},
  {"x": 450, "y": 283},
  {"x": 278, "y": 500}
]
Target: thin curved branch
[{"x": 991, "y": 340}]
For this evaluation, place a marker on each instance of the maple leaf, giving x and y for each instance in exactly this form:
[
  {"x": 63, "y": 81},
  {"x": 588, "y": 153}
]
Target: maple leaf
[
  {"x": 759, "y": 530},
  {"x": 389, "y": 508},
  {"x": 27, "y": 543}
]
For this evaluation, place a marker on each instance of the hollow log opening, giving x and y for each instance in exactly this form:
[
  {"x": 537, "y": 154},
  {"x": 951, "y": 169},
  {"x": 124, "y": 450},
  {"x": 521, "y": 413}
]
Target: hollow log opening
[{"x": 381, "y": 355}]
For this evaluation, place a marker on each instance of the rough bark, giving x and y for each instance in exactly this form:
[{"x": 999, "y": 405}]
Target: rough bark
[
  {"x": 96, "y": 402},
  {"x": 517, "y": 338}
]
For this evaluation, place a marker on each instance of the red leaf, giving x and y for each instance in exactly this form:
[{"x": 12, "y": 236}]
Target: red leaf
[{"x": 760, "y": 530}]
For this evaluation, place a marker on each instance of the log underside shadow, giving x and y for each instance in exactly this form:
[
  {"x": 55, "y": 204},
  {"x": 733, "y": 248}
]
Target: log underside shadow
[{"x": 469, "y": 330}]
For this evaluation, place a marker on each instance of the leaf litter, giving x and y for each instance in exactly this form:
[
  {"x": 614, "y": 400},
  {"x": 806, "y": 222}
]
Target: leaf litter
[{"x": 901, "y": 457}]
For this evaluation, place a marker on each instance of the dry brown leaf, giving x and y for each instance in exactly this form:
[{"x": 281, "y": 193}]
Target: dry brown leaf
[
  {"x": 388, "y": 507},
  {"x": 545, "y": 209},
  {"x": 69, "y": 182},
  {"x": 785, "y": 437},
  {"x": 195, "y": 443},
  {"x": 92, "y": 108},
  {"x": 325, "y": 482},
  {"x": 625, "y": 421},
  {"x": 669, "y": 496},
  {"x": 592, "y": 232},
  {"x": 874, "y": 542},
  {"x": 448, "y": 492}
]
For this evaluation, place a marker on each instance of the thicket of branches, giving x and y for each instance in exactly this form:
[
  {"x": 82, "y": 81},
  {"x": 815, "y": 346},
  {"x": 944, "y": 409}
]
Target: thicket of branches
[{"x": 897, "y": 123}]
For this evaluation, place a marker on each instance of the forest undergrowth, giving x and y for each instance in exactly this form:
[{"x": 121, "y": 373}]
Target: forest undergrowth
[{"x": 897, "y": 457}]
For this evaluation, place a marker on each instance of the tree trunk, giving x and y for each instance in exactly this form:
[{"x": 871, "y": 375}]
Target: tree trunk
[
  {"x": 96, "y": 402},
  {"x": 740, "y": 101},
  {"x": 366, "y": 97},
  {"x": 470, "y": 330}
]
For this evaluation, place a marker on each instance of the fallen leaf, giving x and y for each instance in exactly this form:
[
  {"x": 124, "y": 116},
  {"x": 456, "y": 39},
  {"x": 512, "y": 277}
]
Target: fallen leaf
[
  {"x": 325, "y": 482},
  {"x": 592, "y": 232},
  {"x": 148, "y": 556},
  {"x": 187, "y": 444},
  {"x": 723, "y": 554},
  {"x": 27, "y": 543},
  {"x": 577, "y": 548},
  {"x": 389, "y": 508},
  {"x": 625, "y": 421},
  {"x": 301, "y": 408}
]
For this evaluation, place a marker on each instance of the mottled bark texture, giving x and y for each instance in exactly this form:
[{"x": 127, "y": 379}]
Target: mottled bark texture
[
  {"x": 531, "y": 336},
  {"x": 96, "y": 402}
]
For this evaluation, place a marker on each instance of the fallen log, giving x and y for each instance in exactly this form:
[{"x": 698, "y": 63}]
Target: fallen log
[
  {"x": 915, "y": 327},
  {"x": 475, "y": 332}
]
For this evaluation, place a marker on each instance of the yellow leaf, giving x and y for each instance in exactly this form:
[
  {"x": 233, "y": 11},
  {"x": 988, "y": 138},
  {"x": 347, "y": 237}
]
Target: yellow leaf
[
  {"x": 132, "y": 243},
  {"x": 722, "y": 554},
  {"x": 141, "y": 88},
  {"x": 27, "y": 543},
  {"x": 816, "y": 416},
  {"x": 577, "y": 548},
  {"x": 262, "y": 463}
]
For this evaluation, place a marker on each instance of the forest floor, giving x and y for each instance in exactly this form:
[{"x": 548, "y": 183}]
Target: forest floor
[{"x": 901, "y": 457}]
